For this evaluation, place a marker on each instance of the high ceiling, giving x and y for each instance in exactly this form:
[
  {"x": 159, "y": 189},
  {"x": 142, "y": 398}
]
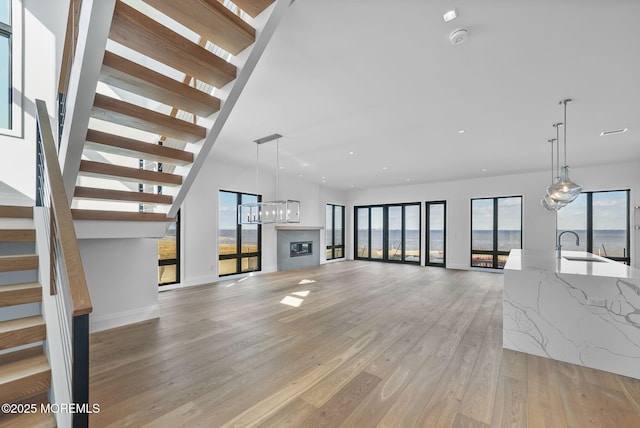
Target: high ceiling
[{"x": 380, "y": 79}]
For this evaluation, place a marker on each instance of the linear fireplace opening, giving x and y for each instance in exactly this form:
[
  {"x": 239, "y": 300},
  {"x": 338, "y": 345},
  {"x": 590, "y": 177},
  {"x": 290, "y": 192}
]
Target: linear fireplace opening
[{"x": 298, "y": 249}]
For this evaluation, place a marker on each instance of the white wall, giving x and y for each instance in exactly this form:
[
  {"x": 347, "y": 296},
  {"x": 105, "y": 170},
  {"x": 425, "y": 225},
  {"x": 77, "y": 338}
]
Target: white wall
[
  {"x": 538, "y": 224},
  {"x": 42, "y": 52},
  {"x": 199, "y": 215},
  {"x": 123, "y": 280}
]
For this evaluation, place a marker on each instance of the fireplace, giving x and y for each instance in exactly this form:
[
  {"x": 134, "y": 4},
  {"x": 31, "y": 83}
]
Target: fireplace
[{"x": 298, "y": 247}]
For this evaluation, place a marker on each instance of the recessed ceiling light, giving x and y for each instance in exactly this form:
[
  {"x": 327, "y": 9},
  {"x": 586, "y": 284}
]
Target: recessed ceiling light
[
  {"x": 613, "y": 131},
  {"x": 484, "y": 170},
  {"x": 281, "y": 167},
  {"x": 450, "y": 15},
  {"x": 324, "y": 177},
  {"x": 384, "y": 167},
  {"x": 300, "y": 175},
  {"x": 408, "y": 179},
  {"x": 353, "y": 185},
  {"x": 352, "y": 153},
  {"x": 461, "y": 131}
]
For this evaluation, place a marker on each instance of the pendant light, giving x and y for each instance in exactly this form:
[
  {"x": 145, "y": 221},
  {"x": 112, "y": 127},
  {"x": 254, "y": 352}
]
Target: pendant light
[
  {"x": 548, "y": 203},
  {"x": 564, "y": 190}
]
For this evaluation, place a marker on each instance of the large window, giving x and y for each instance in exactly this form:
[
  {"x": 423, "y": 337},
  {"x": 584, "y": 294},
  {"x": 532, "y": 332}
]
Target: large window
[
  {"x": 601, "y": 219},
  {"x": 239, "y": 245},
  {"x": 436, "y": 233},
  {"x": 10, "y": 66},
  {"x": 335, "y": 231},
  {"x": 496, "y": 229},
  {"x": 388, "y": 232},
  {"x": 169, "y": 255}
]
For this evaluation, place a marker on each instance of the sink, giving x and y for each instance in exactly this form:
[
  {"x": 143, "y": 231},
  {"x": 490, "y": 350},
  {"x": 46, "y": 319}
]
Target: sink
[{"x": 583, "y": 259}]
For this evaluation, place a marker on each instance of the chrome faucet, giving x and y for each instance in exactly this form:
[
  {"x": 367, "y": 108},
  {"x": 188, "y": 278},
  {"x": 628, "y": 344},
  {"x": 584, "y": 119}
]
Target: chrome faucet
[{"x": 559, "y": 243}]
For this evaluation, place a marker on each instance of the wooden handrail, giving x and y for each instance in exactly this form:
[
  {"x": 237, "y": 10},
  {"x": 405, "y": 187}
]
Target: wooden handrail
[
  {"x": 61, "y": 212},
  {"x": 69, "y": 49}
]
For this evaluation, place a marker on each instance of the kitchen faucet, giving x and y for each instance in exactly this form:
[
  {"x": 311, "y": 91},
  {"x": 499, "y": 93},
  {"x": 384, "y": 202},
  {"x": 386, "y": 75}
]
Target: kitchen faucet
[{"x": 559, "y": 243}]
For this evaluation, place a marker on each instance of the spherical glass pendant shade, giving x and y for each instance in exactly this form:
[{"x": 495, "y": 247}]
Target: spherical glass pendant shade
[
  {"x": 551, "y": 205},
  {"x": 564, "y": 190}
]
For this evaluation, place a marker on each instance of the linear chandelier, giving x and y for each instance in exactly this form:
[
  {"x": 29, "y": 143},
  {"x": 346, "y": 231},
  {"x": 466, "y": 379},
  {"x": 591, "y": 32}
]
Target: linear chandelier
[{"x": 277, "y": 211}]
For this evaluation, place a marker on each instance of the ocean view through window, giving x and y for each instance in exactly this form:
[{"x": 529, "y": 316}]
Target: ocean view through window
[
  {"x": 496, "y": 229},
  {"x": 239, "y": 245}
]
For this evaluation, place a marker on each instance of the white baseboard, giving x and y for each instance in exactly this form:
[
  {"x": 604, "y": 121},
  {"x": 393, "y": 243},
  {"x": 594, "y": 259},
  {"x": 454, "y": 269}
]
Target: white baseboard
[{"x": 105, "y": 322}]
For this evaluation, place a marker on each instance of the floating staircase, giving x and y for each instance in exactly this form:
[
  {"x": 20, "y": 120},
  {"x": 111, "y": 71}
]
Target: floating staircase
[
  {"x": 168, "y": 71},
  {"x": 25, "y": 374}
]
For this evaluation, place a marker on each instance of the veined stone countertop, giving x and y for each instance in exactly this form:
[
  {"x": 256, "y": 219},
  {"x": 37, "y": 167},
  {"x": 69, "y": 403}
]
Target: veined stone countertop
[{"x": 546, "y": 261}]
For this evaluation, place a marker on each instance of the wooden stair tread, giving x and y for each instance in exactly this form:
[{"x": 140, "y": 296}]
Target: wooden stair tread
[
  {"x": 31, "y": 420},
  {"x": 15, "y": 262},
  {"x": 23, "y": 378},
  {"x": 210, "y": 19},
  {"x": 121, "y": 195},
  {"x": 22, "y": 331},
  {"x": 17, "y": 235},
  {"x": 117, "y": 172},
  {"x": 253, "y": 8},
  {"x": 19, "y": 294},
  {"x": 9, "y": 211},
  {"x": 137, "y": 31},
  {"x": 127, "y": 114},
  {"x": 132, "y": 77},
  {"x": 114, "y": 144},
  {"x": 80, "y": 214}
]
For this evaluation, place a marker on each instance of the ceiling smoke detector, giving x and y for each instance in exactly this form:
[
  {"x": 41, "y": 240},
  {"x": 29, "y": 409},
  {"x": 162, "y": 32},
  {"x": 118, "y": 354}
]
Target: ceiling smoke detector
[{"x": 459, "y": 36}]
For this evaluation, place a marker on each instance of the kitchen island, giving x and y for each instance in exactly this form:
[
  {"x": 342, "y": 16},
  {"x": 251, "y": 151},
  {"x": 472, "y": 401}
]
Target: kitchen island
[{"x": 580, "y": 308}]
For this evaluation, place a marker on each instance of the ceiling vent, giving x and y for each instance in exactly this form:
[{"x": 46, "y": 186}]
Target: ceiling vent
[{"x": 459, "y": 36}]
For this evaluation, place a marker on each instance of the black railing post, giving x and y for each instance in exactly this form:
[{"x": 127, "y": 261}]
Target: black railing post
[
  {"x": 39, "y": 167},
  {"x": 62, "y": 106},
  {"x": 81, "y": 370}
]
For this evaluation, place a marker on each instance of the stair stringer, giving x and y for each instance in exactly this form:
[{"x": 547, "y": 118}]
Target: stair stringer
[{"x": 246, "y": 63}]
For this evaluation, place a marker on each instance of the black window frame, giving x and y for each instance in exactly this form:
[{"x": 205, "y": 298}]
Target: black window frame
[
  {"x": 333, "y": 245},
  {"x": 428, "y": 205},
  {"x": 495, "y": 253},
  {"x": 178, "y": 260},
  {"x": 385, "y": 229},
  {"x": 589, "y": 244},
  {"x": 239, "y": 255}
]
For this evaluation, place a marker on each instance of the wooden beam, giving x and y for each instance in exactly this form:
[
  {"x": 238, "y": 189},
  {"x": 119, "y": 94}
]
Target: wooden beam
[
  {"x": 79, "y": 214},
  {"x": 120, "y": 195},
  {"x": 253, "y": 8},
  {"x": 114, "y": 144},
  {"x": 211, "y": 20},
  {"x": 132, "y": 77},
  {"x": 137, "y": 31},
  {"x": 126, "y": 114},
  {"x": 117, "y": 172}
]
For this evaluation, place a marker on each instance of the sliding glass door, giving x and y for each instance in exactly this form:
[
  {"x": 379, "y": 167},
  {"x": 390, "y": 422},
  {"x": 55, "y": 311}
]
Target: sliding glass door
[
  {"x": 388, "y": 232},
  {"x": 436, "y": 233}
]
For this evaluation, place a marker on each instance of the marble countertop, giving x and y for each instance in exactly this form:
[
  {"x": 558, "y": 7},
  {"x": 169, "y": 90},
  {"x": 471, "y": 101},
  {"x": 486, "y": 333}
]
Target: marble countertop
[{"x": 527, "y": 260}]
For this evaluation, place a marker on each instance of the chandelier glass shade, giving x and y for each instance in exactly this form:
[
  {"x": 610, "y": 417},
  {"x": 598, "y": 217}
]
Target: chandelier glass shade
[{"x": 564, "y": 190}]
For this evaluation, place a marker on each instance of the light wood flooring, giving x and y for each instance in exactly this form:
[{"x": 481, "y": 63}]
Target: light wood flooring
[{"x": 371, "y": 344}]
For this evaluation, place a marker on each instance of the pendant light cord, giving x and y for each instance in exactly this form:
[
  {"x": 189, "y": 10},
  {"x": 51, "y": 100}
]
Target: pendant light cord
[
  {"x": 257, "y": 166},
  {"x": 278, "y": 169},
  {"x": 565, "y": 132}
]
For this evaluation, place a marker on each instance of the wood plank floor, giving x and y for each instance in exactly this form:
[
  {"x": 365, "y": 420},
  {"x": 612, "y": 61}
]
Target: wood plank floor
[{"x": 370, "y": 344}]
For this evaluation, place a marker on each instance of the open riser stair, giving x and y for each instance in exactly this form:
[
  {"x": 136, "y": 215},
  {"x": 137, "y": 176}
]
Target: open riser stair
[
  {"x": 25, "y": 374},
  {"x": 167, "y": 73}
]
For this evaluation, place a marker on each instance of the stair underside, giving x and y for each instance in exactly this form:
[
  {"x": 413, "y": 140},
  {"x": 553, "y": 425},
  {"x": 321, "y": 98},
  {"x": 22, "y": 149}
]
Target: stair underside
[
  {"x": 120, "y": 195},
  {"x": 253, "y": 7},
  {"x": 19, "y": 294},
  {"x": 128, "y": 75},
  {"x": 123, "y": 173},
  {"x": 126, "y": 114},
  {"x": 117, "y": 145},
  {"x": 17, "y": 235},
  {"x": 79, "y": 214},
  {"x": 23, "y": 378},
  {"x": 148, "y": 37},
  {"x": 22, "y": 331},
  {"x": 11, "y": 263},
  {"x": 8, "y": 211},
  {"x": 211, "y": 20}
]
